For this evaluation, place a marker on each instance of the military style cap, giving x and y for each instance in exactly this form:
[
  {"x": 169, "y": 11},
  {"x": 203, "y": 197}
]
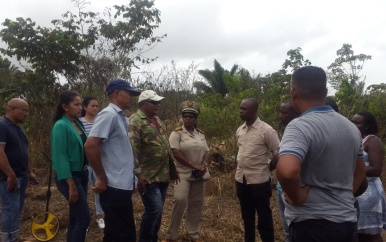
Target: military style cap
[{"x": 190, "y": 107}]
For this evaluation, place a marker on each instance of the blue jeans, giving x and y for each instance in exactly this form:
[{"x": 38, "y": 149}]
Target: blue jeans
[
  {"x": 153, "y": 200},
  {"x": 12, "y": 205},
  {"x": 79, "y": 212},
  {"x": 282, "y": 217},
  {"x": 92, "y": 179}
]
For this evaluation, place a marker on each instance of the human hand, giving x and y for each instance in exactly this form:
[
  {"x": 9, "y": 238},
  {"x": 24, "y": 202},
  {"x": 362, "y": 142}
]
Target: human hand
[
  {"x": 303, "y": 194},
  {"x": 176, "y": 181},
  {"x": 100, "y": 186},
  {"x": 201, "y": 170},
  {"x": 12, "y": 183},
  {"x": 33, "y": 180},
  {"x": 142, "y": 181},
  {"x": 73, "y": 195}
]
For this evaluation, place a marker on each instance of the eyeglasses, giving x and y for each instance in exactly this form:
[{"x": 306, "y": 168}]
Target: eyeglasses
[
  {"x": 26, "y": 111},
  {"x": 153, "y": 102},
  {"x": 188, "y": 116}
]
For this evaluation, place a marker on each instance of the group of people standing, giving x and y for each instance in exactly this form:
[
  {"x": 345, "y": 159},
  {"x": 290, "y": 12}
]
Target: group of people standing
[
  {"x": 328, "y": 167},
  {"x": 119, "y": 154}
]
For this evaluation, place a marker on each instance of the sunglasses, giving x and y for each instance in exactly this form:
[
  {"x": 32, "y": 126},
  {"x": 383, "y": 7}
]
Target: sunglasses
[
  {"x": 188, "y": 116},
  {"x": 154, "y": 102}
]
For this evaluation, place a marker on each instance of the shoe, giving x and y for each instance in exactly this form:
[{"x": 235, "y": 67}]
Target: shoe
[
  {"x": 195, "y": 240},
  {"x": 101, "y": 223}
]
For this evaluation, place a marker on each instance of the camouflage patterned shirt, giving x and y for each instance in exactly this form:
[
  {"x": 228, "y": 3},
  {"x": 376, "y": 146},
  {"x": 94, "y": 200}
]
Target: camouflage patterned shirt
[{"x": 153, "y": 155}]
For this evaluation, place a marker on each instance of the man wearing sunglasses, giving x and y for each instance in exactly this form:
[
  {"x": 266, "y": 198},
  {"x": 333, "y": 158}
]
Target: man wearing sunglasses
[{"x": 154, "y": 165}]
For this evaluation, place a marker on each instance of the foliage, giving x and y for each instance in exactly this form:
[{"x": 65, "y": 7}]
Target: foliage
[
  {"x": 295, "y": 60},
  {"x": 215, "y": 79},
  {"x": 348, "y": 99},
  {"x": 84, "y": 50},
  {"x": 84, "y": 47},
  {"x": 347, "y": 66}
]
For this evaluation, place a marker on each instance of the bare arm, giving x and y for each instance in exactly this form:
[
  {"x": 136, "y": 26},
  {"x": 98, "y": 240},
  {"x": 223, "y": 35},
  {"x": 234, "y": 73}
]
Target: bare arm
[
  {"x": 205, "y": 159},
  {"x": 93, "y": 152},
  {"x": 275, "y": 159},
  {"x": 32, "y": 177},
  {"x": 288, "y": 173},
  {"x": 7, "y": 169},
  {"x": 376, "y": 152}
]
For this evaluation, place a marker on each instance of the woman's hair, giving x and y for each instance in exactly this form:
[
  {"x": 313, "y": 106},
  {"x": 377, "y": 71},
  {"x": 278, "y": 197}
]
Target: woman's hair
[
  {"x": 370, "y": 122},
  {"x": 65, "y": 98},
  {"x": 86, "y": 102}
]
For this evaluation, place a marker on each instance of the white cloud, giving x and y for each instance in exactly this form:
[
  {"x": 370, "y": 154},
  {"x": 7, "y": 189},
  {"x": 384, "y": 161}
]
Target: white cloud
[{"x": 254, "y": 34}]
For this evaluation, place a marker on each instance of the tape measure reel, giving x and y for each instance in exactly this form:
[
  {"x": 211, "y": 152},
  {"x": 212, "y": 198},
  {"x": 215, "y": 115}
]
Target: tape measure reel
[{"x": 45, "y": 226}]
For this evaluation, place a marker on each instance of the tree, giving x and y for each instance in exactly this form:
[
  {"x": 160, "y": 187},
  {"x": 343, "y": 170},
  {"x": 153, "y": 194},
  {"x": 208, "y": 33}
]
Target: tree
[
  {"x": 86, "y": 49},
  {"x": 77, "y": 46},
  {"x": 215, "y": 79},
  {"x": 347, "y": 66},
  {"x": 295, "y": 60}
]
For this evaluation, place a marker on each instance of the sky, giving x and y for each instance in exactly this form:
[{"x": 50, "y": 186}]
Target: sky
[{"x": 252, "y": 33}]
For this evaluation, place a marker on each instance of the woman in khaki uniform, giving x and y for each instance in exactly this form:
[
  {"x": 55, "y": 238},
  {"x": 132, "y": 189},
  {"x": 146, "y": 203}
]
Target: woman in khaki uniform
[{"x": 191, "y": 153}]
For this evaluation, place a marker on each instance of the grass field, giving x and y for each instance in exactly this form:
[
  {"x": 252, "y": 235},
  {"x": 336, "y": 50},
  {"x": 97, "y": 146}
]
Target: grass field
[{"x": 221, "y": 220}]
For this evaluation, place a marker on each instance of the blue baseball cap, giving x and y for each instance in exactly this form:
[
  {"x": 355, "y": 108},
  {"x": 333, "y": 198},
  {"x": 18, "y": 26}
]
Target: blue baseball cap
[{"x": 119, "y": 84}]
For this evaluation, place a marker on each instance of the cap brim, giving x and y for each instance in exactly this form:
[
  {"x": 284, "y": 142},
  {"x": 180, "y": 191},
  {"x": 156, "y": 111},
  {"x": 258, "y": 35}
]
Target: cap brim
[
  {"x": 133, "y": 91},
  {"x": 157, "y": 98}
]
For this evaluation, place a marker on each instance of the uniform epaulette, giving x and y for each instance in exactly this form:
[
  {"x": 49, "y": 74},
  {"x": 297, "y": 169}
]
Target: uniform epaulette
[
  {"x": 178, "y": 128},
  {"x": 199, "y": 130}
]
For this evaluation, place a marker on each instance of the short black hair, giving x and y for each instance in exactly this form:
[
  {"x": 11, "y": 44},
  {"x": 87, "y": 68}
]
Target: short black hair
[
  {"x": 254, "y": 102},
  {"x": 291, "y": 107},
  {"x": 331, "y": 102},
  {"x": 310, "y": 82},
  {"x": 370, "y": 122}
]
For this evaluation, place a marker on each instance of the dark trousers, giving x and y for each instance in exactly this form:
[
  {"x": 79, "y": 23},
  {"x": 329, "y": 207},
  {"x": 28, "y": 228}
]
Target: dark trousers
[
  {"x": 255, "y": 197},
  {"x": 153, "y": 200},
  {"x": 119, "y": 218},
  {"x": 321, "y": 230},
  {"x": 79, "y": 211}
]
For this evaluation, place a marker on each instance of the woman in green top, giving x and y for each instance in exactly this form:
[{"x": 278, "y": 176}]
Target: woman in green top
[{"x": 70, "y": 163}]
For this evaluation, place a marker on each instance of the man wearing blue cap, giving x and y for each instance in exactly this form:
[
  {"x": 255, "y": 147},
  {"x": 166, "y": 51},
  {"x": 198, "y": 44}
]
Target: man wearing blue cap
[{"x": 110, "y": 154}]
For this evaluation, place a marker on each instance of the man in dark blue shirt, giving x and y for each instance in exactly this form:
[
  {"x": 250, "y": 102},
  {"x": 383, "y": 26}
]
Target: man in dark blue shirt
[{"x": 14, "y": 169}]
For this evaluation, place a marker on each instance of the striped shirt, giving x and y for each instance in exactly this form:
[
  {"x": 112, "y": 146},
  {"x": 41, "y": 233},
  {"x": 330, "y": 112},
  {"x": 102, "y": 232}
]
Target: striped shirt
[{"x": 86, "y": 125}]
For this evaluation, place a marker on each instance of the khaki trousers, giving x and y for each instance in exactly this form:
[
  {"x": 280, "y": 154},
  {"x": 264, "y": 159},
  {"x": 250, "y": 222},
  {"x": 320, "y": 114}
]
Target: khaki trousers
[{"x": 190, "y": 195}]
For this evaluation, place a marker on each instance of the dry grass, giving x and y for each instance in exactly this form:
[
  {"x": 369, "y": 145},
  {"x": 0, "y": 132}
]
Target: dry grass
[{"x": 221, "y": 220}]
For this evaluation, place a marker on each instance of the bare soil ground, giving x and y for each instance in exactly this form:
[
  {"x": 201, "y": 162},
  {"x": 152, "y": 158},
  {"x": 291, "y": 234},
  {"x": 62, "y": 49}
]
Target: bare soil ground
[{"x": 221, "y": 220}]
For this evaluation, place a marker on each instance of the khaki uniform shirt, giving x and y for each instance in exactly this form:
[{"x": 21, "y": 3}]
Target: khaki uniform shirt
[
  {"x": 255, "y": 145},
  {"x": 193, "y": 146},
  {"x": 153, "y": 155}
]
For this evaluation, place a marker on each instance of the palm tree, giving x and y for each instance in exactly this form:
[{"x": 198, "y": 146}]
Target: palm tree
[{"x": 215, "y": 79}]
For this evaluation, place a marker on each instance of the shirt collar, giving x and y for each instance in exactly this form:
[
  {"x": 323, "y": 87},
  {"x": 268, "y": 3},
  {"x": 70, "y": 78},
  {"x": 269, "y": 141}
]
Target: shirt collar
[
  {"x": 254, "y": 125},
  {"x": 143, "y": 115},
  {"x": 9, "y": 121},
  {"x": 186, "y": 131},
  {"x": 325, "y": 108},
  {"x": 116, "y": 108}
]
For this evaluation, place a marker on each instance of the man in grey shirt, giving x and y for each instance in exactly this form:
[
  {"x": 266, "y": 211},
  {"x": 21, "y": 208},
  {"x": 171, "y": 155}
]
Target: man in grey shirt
[
  {"x": 320, "y": 164},
  {"x": 110, "y": 154}
]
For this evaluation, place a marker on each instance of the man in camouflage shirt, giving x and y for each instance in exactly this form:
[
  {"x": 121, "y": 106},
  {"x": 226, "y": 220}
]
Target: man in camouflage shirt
[{"x": 154, "y": 165}]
